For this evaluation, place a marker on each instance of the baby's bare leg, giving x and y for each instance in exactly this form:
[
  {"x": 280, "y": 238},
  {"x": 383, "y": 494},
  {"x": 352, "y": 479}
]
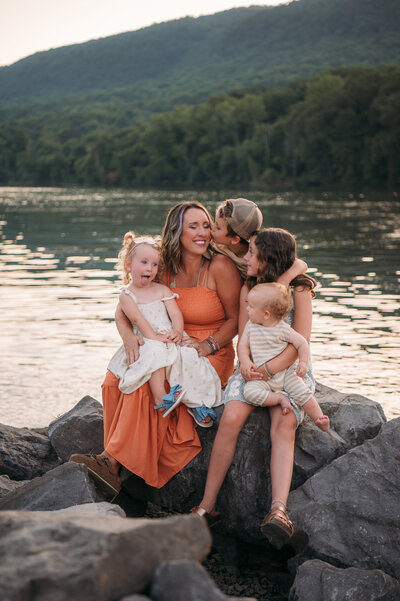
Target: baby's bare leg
[
  {"x": 156, "y": 382},
  {"x": 258, "y": 393},
  {"x": 314, "y": 411},
  {"x": 278, "y": 398}
]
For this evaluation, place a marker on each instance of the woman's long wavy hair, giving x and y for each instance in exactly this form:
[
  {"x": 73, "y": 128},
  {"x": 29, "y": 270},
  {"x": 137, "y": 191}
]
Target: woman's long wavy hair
[
  {"x": 171, "y": 248},
  {"x": 276, "y": 252}
]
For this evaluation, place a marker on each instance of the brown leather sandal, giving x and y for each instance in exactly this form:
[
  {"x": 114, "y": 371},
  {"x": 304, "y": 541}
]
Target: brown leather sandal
[{"x": 277, "y": 526}]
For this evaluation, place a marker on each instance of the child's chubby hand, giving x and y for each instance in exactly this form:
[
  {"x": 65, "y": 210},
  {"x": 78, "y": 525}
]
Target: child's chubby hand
[
  {"x": 174, "y": 336},
  {"x": 249, "y": 370},
  {"x": 301, "y": 369},
  {"x": 162, "y": 337}
]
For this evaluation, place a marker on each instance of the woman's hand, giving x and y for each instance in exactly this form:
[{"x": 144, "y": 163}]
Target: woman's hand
[
  {"x": 132, "y": 343},
  {"x": 161, "y": 338},
  {"x": 203, "y": 348},
  {"x": 187, "y": 341}
]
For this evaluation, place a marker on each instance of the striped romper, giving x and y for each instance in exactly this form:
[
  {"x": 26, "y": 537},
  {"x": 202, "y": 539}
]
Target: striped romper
[{"x": 265, "y": 344}]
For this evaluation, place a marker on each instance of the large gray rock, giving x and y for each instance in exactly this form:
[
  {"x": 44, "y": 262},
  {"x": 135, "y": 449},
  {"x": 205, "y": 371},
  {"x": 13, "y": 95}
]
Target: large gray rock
[
  {"x": 350, "y": 510},
  {"x": 65, "y": 485},
  {"x": 354, "y": 417},
  {"x": 136, "y": 598},
  {"x": 24, "y": 453},
  {"x": 314, "y": 449},
  {"x": 54, "y": 557},
  {"x": 319, "y": 581},
  {"x": 93, "y": 509},
  {"x": 185, "y": 581},
  {"x": 7, "y": 485},
  {"x": 80, "y": 430},
  {"x": 246, "y": 494}
]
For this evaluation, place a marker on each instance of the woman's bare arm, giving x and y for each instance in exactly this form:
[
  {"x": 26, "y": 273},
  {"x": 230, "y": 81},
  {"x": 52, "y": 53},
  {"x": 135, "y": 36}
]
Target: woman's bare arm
[
  {"x": 228, "y": 284},
  {"x": 299, "y": 266},
  {"x": 226, "y": 279},
  {"x": 302, "y": 324},
  {"x": 243, "y": 316}
]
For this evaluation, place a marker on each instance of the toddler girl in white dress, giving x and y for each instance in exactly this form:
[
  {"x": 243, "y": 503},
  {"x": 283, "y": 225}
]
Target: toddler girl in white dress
[{"x": 154, "y": 313}]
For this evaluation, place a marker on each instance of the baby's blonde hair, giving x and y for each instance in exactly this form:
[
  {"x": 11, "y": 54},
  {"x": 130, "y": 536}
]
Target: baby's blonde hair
[
  {"x": 273, "y": 297},
  {"x": 130, "y": 244}
]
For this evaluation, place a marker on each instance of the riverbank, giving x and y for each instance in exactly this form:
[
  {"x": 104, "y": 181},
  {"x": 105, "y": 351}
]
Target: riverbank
[{"x": 53, "y": 520}]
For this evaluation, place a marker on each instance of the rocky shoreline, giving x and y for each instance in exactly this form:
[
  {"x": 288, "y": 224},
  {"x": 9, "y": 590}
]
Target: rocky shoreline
[
  {"x": 259, "y": 576},
  {"x": 61, "y": 540}
]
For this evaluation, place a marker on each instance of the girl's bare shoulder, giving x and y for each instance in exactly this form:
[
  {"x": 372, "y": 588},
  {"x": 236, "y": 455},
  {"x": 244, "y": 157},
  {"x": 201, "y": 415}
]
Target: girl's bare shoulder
[{"x": 162, "y": 290}]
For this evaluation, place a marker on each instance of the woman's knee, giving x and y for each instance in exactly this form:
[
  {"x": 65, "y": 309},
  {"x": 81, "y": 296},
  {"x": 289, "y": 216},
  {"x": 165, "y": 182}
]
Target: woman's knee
[
  {"x": 283, "y": 426},
  {"x": 234, "y": 416}
]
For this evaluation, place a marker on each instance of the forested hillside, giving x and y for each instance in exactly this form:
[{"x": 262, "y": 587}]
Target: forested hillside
[
  {"x": 340, "y": 127},
  {"x": 186, "y": 60},
  {"x": 255, "y": 95}
]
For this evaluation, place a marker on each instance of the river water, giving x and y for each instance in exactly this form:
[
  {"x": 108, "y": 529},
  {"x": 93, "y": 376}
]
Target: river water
[{"x": 58, "y": 290}]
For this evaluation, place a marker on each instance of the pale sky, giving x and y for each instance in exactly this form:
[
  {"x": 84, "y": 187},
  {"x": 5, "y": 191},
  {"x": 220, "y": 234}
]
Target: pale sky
[{"x": 28, "y": 26}]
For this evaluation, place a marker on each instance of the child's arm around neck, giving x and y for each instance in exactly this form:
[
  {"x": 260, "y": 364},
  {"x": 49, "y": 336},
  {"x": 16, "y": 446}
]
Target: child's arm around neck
[{"x": 299, "y": 266}]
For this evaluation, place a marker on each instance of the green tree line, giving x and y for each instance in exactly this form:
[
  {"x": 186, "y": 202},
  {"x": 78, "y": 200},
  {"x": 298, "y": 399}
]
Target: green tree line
[
  {"x": 191, "y": 58},
  {"x": 340, "y": 127}
]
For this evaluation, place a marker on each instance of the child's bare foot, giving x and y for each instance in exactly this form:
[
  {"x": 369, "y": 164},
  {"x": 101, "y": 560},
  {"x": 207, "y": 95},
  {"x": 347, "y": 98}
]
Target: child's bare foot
[
  {"x": 171, "y": 400},
  {"x": 278, "y": 398},
  {"x": 285, "y": 404},
  {"x": 203, "y": 416},
  {"x": 323, "y": 423},
  {"x": 158, "y": 402}
]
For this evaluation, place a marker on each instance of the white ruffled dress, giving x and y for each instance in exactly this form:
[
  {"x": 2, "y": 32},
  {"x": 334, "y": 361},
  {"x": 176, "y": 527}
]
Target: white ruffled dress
[{"x": 199, "y": 380}]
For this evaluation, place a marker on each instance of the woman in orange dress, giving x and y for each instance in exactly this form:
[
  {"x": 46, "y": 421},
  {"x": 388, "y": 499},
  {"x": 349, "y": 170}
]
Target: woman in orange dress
[{"x": 135, "y": 434}]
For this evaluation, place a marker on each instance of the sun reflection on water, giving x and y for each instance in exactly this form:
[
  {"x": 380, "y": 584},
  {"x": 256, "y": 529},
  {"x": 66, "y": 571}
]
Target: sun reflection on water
[{"x": 59, "y": 290}]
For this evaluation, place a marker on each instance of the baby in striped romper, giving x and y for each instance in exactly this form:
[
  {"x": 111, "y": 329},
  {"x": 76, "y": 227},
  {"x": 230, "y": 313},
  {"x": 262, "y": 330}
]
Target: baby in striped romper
[{"x": 265, "y": 336}]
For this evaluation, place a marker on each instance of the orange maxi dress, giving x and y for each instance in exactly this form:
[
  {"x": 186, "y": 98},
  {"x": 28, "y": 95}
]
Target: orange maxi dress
[{"x": 135, "y": 434}]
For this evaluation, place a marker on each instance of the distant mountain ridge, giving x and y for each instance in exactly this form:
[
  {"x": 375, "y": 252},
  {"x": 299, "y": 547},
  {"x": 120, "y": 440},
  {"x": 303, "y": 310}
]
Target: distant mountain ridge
[{"x": 195, "y": 57}]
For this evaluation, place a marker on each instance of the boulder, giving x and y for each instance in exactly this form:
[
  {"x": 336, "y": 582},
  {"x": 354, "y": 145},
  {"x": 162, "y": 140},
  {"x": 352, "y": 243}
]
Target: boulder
[
  {"x": 25, "y": 453},
  {"x": 320, "y": 581},
  {"x": 313, "y": 450},
  {"x": 59, "y": 557},
  {"x": 80, "y": 430},
  {"x": 350, "y": 509},
  {"x": 66, "y": 485},
  {"x": 136, "y": 598},
  {"x": 7, "y": 485},
  {"x": 245, "y": 495},
  {"x": 183, "y": 580},
  {"x": 99, "y": 509},
  {"x": 354, "y": 417}
]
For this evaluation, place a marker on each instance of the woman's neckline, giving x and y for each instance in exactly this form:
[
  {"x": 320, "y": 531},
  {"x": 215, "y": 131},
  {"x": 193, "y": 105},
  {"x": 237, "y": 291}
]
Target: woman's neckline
[{"x": 199, "y": 281}]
